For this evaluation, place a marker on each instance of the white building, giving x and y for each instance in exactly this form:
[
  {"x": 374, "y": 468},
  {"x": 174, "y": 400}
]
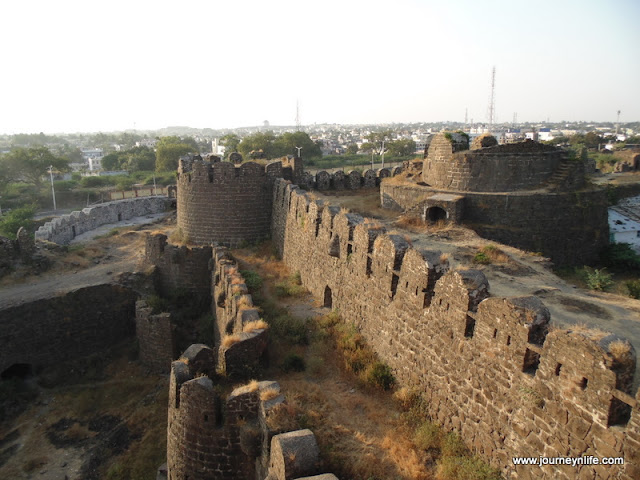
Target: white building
[{"x": 624, "y": 223}]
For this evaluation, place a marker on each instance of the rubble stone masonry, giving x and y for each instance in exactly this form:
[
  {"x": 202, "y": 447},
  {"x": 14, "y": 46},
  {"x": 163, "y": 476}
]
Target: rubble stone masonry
[{"x": 489, "y": 367}]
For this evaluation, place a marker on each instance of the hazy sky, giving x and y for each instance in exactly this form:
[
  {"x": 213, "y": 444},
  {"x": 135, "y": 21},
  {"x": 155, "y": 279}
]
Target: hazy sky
[{"x": 101, "y": 65}]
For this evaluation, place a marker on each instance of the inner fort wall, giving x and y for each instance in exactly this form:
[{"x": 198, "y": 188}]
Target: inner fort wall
[
  {"x": 488, "y": 366},
  {"x": 501, "y": 168},
  {"x": 66, "y": 327},
  {"x": 569, "y": 227},
  {"x": 65, "y": 228}
]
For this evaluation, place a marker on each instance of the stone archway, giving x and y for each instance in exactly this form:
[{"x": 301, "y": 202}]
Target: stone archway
[{"x": 435, "y": 214}]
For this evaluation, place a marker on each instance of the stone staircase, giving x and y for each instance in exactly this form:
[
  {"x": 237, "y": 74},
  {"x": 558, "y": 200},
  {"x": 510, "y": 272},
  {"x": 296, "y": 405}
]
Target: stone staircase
[{"x": 560, "y": 175}]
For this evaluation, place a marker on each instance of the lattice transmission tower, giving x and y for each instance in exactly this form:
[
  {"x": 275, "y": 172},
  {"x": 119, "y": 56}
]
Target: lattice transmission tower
[{"x": 491, "y": 111}]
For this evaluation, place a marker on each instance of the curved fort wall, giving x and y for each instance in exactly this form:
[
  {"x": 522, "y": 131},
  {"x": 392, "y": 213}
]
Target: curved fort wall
[
  {"x": 66, "y": 227},
  {"x": 569, "y": 227},
  {"x": 489, "y": 367},
  {"x": 500, "y": 168},
  {"x": 225, "y": 204}
]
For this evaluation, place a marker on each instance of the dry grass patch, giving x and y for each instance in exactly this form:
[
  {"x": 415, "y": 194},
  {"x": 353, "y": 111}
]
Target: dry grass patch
[
  {"x": 269, "y": 394},
  {"x": 255, "y": 325},
  {"x": 413, "y": 224},
  {"x": 229, "y": 340},
  {"x": 490, "y": 254}
]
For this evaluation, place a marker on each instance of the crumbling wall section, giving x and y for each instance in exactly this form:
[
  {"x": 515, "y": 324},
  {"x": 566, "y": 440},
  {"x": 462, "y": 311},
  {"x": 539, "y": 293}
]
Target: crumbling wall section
[
  {"x": 179, "y": 268},
  {"x": 209, "y": 436},
  {"x": 155, "y": 338},
  {"x": 488, "y": 366},
  {"x": 65, "y": 228},
  {"x": 239, "y": 351}
]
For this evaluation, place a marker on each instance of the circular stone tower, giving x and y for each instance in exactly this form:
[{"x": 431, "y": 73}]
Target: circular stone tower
[{"x": 223, "y": 203}]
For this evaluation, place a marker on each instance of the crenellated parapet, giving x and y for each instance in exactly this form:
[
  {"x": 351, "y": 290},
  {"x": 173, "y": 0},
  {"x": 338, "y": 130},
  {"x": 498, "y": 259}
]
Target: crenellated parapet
[
  {"x": 223, "y": 203},
  {"x": 245, "y": 434},
  {"x": 490, "y": 367},
  {"x": 240, "y": 336}
]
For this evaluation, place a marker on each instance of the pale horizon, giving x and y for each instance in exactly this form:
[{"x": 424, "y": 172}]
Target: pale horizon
[{"x": 73, "y": 67}]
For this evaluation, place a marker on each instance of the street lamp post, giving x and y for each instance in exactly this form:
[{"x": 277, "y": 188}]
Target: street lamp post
[
  {"x": 299, "y": 148},
  {"x": 53, "y": 191}
]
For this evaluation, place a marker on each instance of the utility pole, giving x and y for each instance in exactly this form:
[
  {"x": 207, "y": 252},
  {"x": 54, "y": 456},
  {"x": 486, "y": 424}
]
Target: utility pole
[
  {"x": 382, "y": 153},
  {"x": 298, "y": 148},
  {"x": 297, "y": 116},
  {"x": 53, "y": 191},
  {"x": 617, "y": 123}
]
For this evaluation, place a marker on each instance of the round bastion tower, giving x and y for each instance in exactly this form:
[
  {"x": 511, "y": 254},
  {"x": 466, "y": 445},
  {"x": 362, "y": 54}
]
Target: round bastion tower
[{"x": 219, "y": 202}]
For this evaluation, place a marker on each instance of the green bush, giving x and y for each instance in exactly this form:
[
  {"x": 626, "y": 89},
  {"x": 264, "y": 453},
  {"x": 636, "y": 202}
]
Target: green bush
[
  {"x": 158, "y": 304},
  {"x": 19, "y": 217},
  {"x": 481, "y": 258},
  {"x": 427, "y": 436},
  {"x": 65, "y": 185},
  {"x": 597, "y": 279},
  {"x": 290, "y": 329},
  {"x": 293, "y": 362},
  {"x": 96, "y": 181},
  {"x": 621, "y": 257},
  {"x": 465, "y": 468},
  {"x": 633, "y": 286},
  {"x": 252, "y": 280},
  {"x": 380, "y": 375}
]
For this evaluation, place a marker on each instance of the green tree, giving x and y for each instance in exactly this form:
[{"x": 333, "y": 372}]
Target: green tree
[
  {"x": 138, "y": 159},
  {"x": 260, "y": 141},
  {"x": 111, "y": 161},
  {"x": 287, "y": 144},
  {"x": 592, "y": 140},
  {"x": 230, "y": 143},
  {"x": 352, "y": 149},
  {"x": 31, "y": 164},
  {"x": 168, "y": 152},
  {"x": 402, "y": 148}
]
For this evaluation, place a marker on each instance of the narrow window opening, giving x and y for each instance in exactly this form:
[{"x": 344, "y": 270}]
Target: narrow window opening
[
  {"x": 394, "y": 284},
  {"x": 73, "y": 231},
  {"x": 509, "y": 340},
  {"x": 369, "y": 266},
  {"x": 583, "y": 383},
  {"x": 469, "y": 327},
  {"x": 558, "y": 368},
  {"x": 619, "y": 413},
  {"x": 349, "y": 249},
  {"x": 119, "y": 217},
  {"x": 206, "y": 417},
  {"x": 328, "y": 298},
  {"x": 531, "y": 362},
  {"x": 334, "y": 247},
  {"x": 495, "y": 332}
]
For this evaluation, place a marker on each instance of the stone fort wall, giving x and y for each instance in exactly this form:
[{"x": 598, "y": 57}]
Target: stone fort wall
[
  {"x": 66, "y": 227},
  {"x": 569, "y": 227},
  {"x": 489, "y": 367},
  {"x": 223, "y": 203},
  {"x": 63, "y": 328},
  {"x": 500, "y": 168}
]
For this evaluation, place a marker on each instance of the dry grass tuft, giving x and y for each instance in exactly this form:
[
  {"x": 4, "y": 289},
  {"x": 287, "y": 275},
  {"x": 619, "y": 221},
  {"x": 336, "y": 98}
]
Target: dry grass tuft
[
  {"x": 255, "y": 325},
  {"x": 229, "y": 340},
  {"x": 253, "y": 385},
  {"x": 373, "y": 224},
  {"x": 269, "y": 393},
  {"x": 283, "y": 418},
  {"x": 444, "y": 258},
  {"x": 414, "y": 224},
  {"x": 236, "y": 280},
  {"x": 178, "y": 237},
  {"x": 620, "y": 350}
]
